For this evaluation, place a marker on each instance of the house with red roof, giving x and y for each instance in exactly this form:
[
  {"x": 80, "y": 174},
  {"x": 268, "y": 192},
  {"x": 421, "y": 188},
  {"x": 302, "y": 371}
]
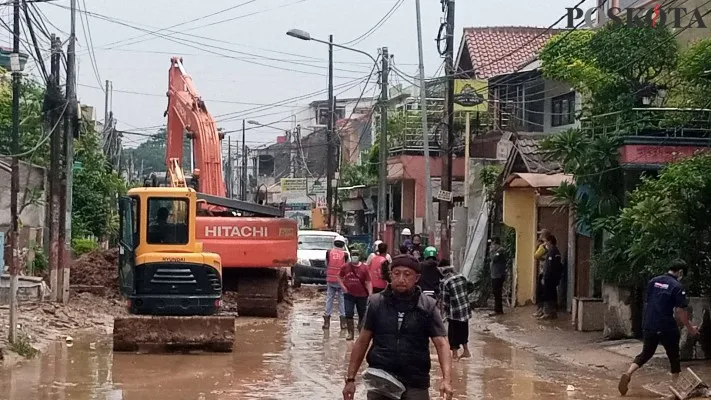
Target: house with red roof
[{"x": 496, "y": 63}]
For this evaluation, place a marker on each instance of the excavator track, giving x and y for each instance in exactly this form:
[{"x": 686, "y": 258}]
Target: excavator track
[{"x": 259, "y": 290}]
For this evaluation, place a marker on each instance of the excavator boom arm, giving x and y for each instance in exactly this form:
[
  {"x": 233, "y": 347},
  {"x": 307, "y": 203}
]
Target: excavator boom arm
[{"x": 187, "y": 114}]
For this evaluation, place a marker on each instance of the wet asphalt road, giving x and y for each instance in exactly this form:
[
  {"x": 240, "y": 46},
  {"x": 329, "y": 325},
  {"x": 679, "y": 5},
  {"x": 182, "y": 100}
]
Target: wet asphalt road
[{"x": 289, "y": 358}]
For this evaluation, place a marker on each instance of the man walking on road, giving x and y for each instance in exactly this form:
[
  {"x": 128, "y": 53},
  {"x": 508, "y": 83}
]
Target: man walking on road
[
  {"x": 354, "y": 278},
  {"x": 400, "y": 321},
  {"x": 498, "y": 274},
  {"x": 455, "y": 300},
  {"x": 431, "y": 275},
  {"x": 335, "y": 259},
  {"x": 664, "y": 294}
]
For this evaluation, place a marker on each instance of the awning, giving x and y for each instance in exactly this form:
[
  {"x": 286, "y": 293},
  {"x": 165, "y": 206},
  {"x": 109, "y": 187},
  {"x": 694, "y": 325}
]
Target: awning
[{"x": 528, "y": 180}]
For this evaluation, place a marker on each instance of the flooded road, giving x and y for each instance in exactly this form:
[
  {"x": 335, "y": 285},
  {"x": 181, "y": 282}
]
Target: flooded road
[{"x": 289, "y": 358}]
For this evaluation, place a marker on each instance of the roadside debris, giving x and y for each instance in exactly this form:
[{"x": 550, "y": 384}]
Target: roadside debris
[
  {"x": 96, "y": 272},
  {"x": 689, "y": 386}
]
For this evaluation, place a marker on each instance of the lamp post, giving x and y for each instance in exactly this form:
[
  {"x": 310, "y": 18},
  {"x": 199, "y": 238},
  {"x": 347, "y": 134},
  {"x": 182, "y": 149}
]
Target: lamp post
[
  {"x": 382, "y": 188},
  {"x": 303, "y": 35}
]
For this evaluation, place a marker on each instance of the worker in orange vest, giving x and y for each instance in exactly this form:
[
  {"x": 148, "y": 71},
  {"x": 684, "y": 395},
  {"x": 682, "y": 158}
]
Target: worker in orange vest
[{"x": 336, "y": 258}]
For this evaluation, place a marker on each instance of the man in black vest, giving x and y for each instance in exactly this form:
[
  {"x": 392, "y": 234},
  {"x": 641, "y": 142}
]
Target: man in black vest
[{"x": 400, "y": 321}]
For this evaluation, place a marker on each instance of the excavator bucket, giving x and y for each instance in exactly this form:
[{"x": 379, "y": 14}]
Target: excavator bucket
[{"x": 165, "y": 333}]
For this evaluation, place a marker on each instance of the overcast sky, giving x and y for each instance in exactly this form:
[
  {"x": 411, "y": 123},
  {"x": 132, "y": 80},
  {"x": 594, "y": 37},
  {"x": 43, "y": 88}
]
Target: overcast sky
[{"x": 241, "y": 60}]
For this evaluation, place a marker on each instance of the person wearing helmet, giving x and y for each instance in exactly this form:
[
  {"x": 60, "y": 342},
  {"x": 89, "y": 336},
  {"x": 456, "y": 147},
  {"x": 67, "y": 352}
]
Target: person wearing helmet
[
  {"x": 336, "y": 258},
  {"x": 431, "y": 275},
  {"x": 406, "y": 238}
]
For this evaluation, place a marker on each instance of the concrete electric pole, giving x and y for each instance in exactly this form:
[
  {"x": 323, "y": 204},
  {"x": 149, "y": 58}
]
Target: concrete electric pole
[
  {"x": 448, "y": 138},
  {"x": 329, "y": 135},
  {"x": 16, "y": 68},
  {"x": 70, "y": 129},
  {"x": 425, "y": 131},
  {"x": 383, "y": 151},
  {"x": 54, "y": 168}
]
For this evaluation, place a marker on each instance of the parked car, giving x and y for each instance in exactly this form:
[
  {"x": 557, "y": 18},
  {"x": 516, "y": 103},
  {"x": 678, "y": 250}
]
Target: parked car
[{"x": 311, "y": 264}]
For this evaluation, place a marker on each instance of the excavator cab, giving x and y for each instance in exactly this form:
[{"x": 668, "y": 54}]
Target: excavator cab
[{"x": 172, "y": 287}]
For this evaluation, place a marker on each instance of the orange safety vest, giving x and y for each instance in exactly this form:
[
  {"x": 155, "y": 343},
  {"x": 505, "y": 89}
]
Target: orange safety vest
[
  {"x": 336, "y": 260},
  {"x": 376, "y": 272}
]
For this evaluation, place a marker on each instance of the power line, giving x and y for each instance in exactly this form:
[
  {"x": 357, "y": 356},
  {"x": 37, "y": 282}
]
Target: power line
[
  {"x": 291, "y": 99},
  {"x": 163, "y": 96},
  {"x": 202, "y": 46},
  {"x": 90, "y": 44},
  {"x": 148, "y": 34},
  {"x": 377, "y": 25}
]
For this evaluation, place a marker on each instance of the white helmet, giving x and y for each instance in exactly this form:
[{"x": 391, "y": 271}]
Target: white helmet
[
  {"x": 339, "y": 239},
  {"x": 376, "y": 243},
  {"x": 406, "y": 232}
]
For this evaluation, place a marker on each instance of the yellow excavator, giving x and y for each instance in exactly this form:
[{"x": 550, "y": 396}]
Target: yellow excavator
[{"x": 172, "y": 287}]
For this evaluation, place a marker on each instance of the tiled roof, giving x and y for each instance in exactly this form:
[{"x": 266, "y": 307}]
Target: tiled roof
[
  {"x": 526, "y": 156},
  {"x": 502, "y": 49},
  {"x": 536, "y": 161}
]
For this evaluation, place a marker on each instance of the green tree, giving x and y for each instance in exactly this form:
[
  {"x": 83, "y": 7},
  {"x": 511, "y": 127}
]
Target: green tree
[
  {"x": 593, "y": 161},
  {"x": 666, "y": 218},
  {"x": 611, "y": 66},
  {"x": 694, "y": 87},
  {"x": 95, "y": 190},
  {"x": 34, "y": 141},
  {"x": 152, "y": 153}
]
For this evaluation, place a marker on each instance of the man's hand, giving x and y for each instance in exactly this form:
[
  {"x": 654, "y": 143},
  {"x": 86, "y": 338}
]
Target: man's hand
[
  {"x": 445, "y": 390},
  {"x": 349, "y": 391},
  {"x": 693, "y": 330}
]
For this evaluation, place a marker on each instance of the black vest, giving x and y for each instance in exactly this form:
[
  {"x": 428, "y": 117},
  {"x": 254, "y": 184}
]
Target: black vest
[{"x": 403, "y": 352}]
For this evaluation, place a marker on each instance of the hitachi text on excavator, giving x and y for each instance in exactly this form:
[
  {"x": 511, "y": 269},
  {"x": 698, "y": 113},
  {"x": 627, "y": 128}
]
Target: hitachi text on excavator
[{"x": 254, "y": 241}]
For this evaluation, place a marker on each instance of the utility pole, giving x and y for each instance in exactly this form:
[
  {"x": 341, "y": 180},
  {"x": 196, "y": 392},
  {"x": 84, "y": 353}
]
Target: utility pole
[
  {"x": 425, "y": 131},
  {"x": 292, "y": 151},
  {"x": 295, "y": 149},
  {"x": 228, "y": 173},
  {"x": 15, "y": 178},
  {"x": 448, "y": 138},
  {"x": 70, "y": 128},
  {"x": 329, "y": 135},
  {"x": 106, "y": 107},
  {"x": 383, "y": 151},
  {"x": 55, "y": 165},
  {"x": 243, "y": 186}
]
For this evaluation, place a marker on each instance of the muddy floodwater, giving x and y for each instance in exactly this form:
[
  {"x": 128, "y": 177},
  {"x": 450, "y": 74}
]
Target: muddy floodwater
[{"x": 289, "y": 358}]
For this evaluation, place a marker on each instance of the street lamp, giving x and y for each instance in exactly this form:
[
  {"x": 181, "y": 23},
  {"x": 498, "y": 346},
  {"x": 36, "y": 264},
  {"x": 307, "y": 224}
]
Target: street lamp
[
  {"x": 303, "y": 35},
  {"x": 257, "y": 123}
]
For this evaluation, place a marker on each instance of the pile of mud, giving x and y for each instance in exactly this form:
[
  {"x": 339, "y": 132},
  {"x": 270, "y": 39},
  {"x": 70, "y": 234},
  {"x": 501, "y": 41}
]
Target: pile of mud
[{"x": 98, "y": 268}]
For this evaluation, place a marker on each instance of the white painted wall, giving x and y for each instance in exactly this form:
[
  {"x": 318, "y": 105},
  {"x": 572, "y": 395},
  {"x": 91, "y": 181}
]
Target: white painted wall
[
  {"x": 31, "y": 177},
  {"x": 306, "y": 116}
]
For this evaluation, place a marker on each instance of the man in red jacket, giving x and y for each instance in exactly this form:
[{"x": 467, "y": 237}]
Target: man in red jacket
[{"x": 354, "y": 278}]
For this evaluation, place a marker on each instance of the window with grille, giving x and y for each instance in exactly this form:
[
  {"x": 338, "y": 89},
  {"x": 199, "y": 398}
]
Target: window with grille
[{"x": 563, "y": 109}]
